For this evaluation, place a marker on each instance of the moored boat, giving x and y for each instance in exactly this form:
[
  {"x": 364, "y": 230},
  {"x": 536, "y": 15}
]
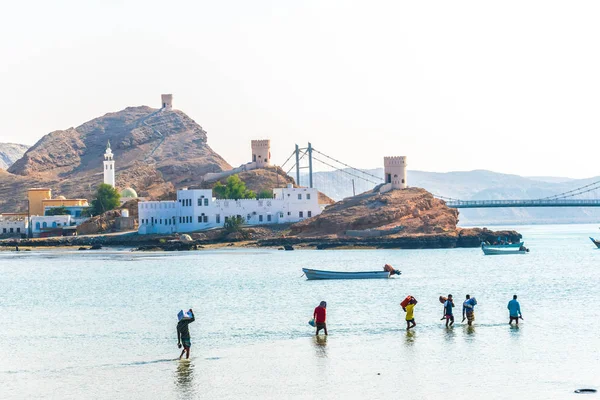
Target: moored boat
[
  {"x": 596, "y": 242},
  {"x": 494, "y": 250},
  {"x": 506, "y": 245},
  {"x": 313, "y": 274}
]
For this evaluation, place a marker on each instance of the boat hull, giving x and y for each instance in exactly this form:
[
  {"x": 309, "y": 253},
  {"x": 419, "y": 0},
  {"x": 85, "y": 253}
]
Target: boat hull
[
  {"x": 488, "y": 251},
  {"x": 315, "y": 274}
]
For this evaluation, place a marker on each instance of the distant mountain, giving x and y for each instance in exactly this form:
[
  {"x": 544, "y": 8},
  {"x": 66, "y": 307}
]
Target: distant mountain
[
  {"x": 11, "y": 152},
  {"x": 154, "y": 150},
  {"x": 476, "y": 185}
]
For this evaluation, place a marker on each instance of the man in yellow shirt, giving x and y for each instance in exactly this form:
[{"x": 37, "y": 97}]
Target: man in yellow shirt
[{"x": 410, "y": 317}]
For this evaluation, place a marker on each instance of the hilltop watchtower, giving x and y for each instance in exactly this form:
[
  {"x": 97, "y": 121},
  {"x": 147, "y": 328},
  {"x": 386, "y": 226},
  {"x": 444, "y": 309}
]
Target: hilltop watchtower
[
  {"x": 261, "y": 153},
  {"x": 166, "y": 101},
  {"x": 395, "y": 171}
]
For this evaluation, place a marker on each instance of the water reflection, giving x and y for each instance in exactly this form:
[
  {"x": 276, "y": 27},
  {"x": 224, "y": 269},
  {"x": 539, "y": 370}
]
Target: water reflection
[
  {"x": 184, "y": 377},
  {"x": 320, "y": 345},
  {"x": 409, "y": 338},
  {"x": 449, "y": 334}
]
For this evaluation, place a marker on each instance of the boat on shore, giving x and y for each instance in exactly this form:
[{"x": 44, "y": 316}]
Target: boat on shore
[
  {"x": 315, "y": 274},
  {"x": 596, "y": 242},
  {"x": 489, "y": 250}
]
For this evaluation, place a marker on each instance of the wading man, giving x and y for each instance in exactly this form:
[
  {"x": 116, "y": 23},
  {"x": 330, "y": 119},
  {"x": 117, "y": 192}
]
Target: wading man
[{"x": 183, "y": 332}]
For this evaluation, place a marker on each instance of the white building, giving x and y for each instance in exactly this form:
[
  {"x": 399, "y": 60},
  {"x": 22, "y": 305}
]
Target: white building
[
  {"x": 197, "y": 209},
  {"x": 13, "y": 224},
  {"x": 109, "y": 166}
]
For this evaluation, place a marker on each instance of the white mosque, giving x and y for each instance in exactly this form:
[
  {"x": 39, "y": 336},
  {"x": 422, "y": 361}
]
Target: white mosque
[{"x": 109, "y": 175}]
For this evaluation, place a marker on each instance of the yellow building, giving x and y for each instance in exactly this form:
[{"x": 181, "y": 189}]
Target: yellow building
[
  {"x": 36, "y": 197},
  {"x": 40, "y": 198}
]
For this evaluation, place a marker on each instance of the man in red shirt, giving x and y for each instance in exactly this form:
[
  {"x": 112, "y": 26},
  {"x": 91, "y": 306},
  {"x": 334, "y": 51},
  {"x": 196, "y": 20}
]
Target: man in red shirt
[{"x": 320, "y": 315}]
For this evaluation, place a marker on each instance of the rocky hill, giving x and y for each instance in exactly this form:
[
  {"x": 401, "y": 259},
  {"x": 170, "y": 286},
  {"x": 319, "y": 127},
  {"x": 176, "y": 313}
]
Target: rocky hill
[
  {"x": 11, "y": 152},
  {"x": 154, "y": 150},
  {"x": 410, "y": 211}
]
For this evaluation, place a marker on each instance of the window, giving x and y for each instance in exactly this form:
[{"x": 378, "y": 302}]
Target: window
[
  {"x": 44, "y": 225},
  {"x": 199, "y": 202},
  {"x": 206, "y": 202},
  {"x": 280, "y": 215},
  {"x": 160, "y": 221},
  {"x": 18, "y": 230},
  {"x": 300, "y": 214},
  {"x": 11, "y": 230},
  {"x": 205, "y": 218},
  {"x": 218, "y": 218},
  {"x": 248, "y": 217},
  {"x": 260, "y": 218},
  {"x": 299, "y": 196},
  {"x": 307, "y": 196},
  {"x": 3, "y": 230},
  {"x": 37, "y": 226},
  {"x": 309, "y": 214},
  {"x": 199, "y": 219},
  {"x": 269, "y": 218},
  {"x": 180, "y": 220},
  {"x": 289, "y": 213}
]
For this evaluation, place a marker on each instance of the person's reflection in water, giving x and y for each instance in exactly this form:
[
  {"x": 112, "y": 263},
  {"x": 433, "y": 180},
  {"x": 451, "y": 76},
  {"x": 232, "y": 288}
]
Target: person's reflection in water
[
  {"x": 185, "y": 377},
  {"x": 320, "y": 343},
  {"x": 449, "y": 334},
  {"x": 410, "y": 338}
]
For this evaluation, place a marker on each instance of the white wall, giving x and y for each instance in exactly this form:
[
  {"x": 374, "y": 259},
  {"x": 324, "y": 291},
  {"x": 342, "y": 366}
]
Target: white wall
[{"x": 197, "y": 210}]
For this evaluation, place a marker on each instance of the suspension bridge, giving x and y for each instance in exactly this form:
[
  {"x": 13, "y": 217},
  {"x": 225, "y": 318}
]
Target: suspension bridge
[{"x": 338, "y": 179}]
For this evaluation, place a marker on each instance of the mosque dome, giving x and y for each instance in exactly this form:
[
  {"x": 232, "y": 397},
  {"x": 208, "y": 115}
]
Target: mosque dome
[
  {"x": 129, "y": 193},
  {"x": 61, "y": 198}
]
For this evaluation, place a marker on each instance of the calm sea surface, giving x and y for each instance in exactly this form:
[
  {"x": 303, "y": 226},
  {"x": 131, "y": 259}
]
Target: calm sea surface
[{"x": 101, "y": 325}]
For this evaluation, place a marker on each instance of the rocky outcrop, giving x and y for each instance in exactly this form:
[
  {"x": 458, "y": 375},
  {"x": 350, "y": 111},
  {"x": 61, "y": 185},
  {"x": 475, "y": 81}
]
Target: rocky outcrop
[
  {"x": 409, "y": 211},
  {"x": 11, "y": 152},
  {"x": 107, "y": 222}
]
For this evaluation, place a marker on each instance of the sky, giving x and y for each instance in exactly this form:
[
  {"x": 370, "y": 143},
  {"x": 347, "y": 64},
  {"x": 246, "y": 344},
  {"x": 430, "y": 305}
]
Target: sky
[{"x": 507, "y": 86}]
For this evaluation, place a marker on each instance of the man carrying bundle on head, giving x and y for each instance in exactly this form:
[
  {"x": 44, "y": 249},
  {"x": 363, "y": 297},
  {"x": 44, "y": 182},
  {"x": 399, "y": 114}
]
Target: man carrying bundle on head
[
  {"x": 183, "y": 331},
  {"x": 468, "y": 310}
]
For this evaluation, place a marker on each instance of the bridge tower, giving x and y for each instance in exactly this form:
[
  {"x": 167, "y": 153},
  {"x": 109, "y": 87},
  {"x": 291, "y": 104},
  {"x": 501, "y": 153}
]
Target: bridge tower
[
  {"x": 395, "y": 171},
  {"x": 261, "y": 153}
]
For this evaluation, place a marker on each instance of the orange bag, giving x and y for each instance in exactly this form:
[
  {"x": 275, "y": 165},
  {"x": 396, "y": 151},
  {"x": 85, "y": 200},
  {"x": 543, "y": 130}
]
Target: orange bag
[{"x": 405, "y": 301}]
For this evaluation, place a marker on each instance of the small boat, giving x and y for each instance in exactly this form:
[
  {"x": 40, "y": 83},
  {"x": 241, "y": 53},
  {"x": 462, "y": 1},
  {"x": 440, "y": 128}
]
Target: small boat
[
  {"x": 317, "y": 274},
  {"x": 493, "y": 250},
  {"x": 596, "y": 242},
  {"x": 506, "y": 245}
]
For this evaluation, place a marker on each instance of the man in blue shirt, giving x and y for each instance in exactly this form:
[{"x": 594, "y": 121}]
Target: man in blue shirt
[
  {"x": 448, "y": 311},
  {"x": 514, "y": 309}
]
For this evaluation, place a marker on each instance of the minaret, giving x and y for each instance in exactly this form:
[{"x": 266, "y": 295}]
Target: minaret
[{"x": 109, "y": 166}]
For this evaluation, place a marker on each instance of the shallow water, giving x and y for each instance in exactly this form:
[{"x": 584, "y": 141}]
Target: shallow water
[{"x": 102, "y": 324}]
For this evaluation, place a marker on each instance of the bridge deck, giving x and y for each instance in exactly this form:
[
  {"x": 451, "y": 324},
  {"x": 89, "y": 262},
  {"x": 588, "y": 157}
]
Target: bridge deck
[{"x": 521, "y": 203}]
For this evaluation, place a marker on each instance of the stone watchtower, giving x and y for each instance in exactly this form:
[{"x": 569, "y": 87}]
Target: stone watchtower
[
  {"x": 395, "y": 171},
  {"x": 109, "y": 166},
  {"x": 261, "y": 153},
  {"x": 166, "y": 101}
]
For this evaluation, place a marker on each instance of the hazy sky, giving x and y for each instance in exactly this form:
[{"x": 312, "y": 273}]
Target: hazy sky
[{"x": 510, "y": 86}]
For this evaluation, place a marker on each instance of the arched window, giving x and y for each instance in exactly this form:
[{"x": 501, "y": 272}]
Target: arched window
[
  {"x": 37, "y": 226},
  {"x": 54, "y": 224},
  {"x": 44, "y": 225}
]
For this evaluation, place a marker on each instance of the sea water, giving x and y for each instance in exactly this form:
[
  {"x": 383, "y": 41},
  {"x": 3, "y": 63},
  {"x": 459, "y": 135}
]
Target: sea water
[{"x": 101, "y": 324}]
